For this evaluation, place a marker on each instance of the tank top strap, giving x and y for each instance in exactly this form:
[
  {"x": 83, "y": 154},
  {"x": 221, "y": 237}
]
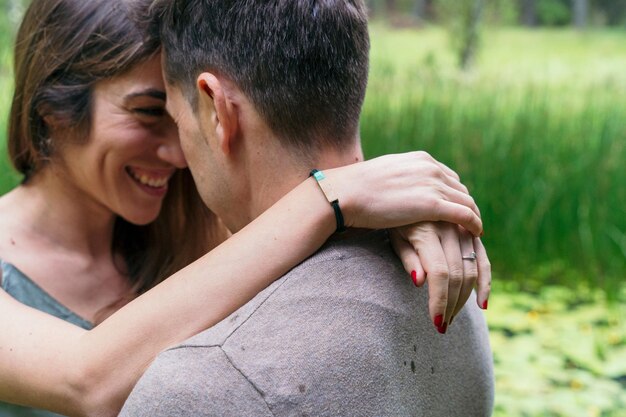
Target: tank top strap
[{"x": 26, "y": 291}]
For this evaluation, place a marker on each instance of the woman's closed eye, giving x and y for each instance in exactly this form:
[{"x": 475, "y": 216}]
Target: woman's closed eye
[{"x": 150, "y": 111}]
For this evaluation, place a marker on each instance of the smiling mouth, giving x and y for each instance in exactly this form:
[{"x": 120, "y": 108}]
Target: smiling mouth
[{"x": 150, "y": 178}]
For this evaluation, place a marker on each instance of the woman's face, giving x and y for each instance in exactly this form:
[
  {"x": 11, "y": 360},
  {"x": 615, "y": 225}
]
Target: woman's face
[{"x": 132, "y": 149}]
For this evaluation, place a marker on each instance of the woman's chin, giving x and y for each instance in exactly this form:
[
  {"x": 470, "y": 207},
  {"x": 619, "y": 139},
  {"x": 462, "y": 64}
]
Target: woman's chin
[{"x": 141, "y": 218}]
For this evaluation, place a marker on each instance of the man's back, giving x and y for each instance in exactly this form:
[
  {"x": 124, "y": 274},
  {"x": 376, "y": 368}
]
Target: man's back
[{"x": 345, "y": 333}]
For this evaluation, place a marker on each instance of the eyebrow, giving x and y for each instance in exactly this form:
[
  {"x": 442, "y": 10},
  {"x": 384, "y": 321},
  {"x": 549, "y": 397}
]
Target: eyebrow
[{"x": 151, "y": 92}]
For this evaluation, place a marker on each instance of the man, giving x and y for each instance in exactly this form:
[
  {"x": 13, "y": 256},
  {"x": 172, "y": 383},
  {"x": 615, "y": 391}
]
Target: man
[{"x": 263, "y": 91}]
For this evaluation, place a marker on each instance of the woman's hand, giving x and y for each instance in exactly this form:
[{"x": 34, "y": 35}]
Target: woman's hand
[
  {"x": 396, "y": 190},
  {"x": 414, "y": 188},
  {"x": 451, "y": 260}
]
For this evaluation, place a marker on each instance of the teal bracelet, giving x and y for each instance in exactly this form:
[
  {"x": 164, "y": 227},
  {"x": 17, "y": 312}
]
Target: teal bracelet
[{"x": 330, "y": 196}]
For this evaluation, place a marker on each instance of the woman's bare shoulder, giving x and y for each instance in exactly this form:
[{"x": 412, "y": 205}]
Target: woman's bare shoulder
[
  {"x": 8, "y": 213},
  {"x": 3, "y": 232},
  {"x": 7, "y": 209}
]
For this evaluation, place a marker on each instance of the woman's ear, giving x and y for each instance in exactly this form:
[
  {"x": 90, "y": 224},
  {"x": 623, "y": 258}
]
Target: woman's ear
[
  {"x": 216, "y": 111},
  {"x": 46, "y": 113},
  {"x": 51, "y": 122}
]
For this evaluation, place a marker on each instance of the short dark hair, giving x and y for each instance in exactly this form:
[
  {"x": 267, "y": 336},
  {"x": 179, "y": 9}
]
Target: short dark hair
[{"x": 302, "y": 63}]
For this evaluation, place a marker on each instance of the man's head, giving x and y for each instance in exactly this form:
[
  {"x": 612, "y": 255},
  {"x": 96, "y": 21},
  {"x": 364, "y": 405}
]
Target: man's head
[{"x": 300, "y": 65}]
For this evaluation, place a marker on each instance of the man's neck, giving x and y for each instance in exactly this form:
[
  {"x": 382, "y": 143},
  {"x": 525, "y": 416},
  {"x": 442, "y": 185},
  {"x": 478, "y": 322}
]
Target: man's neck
[{"x": 284, "y": 171}]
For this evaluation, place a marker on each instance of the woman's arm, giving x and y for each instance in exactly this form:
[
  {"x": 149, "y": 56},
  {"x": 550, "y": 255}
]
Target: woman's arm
[{"x": 47, "y": 363}]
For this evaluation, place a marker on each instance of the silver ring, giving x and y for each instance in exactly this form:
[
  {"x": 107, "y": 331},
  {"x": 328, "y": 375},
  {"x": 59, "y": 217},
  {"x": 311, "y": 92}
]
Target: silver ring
[{"x": 470, "y": 257}]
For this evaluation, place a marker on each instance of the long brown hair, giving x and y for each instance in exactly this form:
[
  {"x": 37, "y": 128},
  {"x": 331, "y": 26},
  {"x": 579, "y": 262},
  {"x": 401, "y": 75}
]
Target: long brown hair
[{"x": 63, "y": 48}]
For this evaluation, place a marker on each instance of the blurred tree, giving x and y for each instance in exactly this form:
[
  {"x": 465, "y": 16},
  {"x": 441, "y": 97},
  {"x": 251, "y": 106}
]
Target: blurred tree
[
  {"x": 419, "y": 10},
  {"x": 614, "y": 11},
  {"x": 581, "y": 13},
  {"x": 376, "y": 7},
  {"x": 502, "y": 12},
  {"x": 554, "y": 12},
  {"x": 387, "y": 8},
  {"x": 464, "y": 20},
  {"x": 529, "y": 12},
  {"x": 424, "y": 10},
  {"x": 391, "y": 7},
  {"x": 526, "y": 12},
  {"x": 371, "y": 5}
]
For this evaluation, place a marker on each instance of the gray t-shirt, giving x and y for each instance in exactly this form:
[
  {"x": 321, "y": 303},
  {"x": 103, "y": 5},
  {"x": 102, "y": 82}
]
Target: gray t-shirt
[{"x": 343, "y": 334}]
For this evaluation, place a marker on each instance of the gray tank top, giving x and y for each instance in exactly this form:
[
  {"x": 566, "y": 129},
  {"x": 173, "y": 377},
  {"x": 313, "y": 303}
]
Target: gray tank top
[{"x": 24, "y": 290}]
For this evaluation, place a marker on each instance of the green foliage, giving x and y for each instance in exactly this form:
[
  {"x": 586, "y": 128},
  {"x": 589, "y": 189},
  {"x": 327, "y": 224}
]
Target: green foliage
[
  {"x": 506, "y": 12},
  {"x": 502, "y": 12},
  {"x": 539, "y": 138},
  {"x": 554, "y": 12},
  {"x": 558, "y": 353},
  {"x": 612, "y": 12},
  {"x": 8, "y": 178},
  {"x": 463, "y": 19}
]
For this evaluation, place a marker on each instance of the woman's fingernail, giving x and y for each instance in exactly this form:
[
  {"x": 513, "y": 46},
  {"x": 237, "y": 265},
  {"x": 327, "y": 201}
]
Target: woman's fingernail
[
  {"x": 443, "y": 329},
  {"x": 414, "y": 277},
  {"x": 485, "y": 304},
  {"x": 438, "y": 321}
]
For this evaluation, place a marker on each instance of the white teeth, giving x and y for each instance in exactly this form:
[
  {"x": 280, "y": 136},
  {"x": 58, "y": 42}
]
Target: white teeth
[{"x": 151, "y": 182}]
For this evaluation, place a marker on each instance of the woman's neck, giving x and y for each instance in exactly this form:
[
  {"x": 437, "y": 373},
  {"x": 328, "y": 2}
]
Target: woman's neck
[{"x": 55, "y": 212}]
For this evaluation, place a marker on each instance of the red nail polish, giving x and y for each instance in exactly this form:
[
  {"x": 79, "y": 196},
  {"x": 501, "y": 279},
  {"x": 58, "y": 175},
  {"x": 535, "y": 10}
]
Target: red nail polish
[
  {"x": 414, "y": 277},
  {"x": 438, "y": 321},
  {"x": 485, "y": 304},
  {"x": 443, "y": 329}
]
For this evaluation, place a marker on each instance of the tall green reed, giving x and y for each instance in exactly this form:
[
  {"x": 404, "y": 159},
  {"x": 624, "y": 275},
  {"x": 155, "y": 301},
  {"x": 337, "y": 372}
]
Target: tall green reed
[{"x": 545, "y": 164}]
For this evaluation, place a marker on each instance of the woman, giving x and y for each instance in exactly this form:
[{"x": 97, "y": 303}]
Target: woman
[{"x": 109, "y": 210}]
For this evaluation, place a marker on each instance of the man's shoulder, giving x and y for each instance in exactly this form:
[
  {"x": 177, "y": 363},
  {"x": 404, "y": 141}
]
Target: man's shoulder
[
  {"x": 345, "y": 271},
  {"x": 364, "y": 260},
  {"x": 351, "y": 299},
  {"x": 194, "y": 382},
  {"x": 346, "y": 331},
  {"x": 351, "y": 274}
]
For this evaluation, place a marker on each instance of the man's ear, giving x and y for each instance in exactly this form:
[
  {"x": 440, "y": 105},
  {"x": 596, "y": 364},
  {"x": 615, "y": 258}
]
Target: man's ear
[{"x": 216, "y": 111}]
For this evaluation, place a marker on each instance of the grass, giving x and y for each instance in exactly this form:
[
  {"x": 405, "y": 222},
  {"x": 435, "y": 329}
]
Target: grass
[{"x": 537, "y": 132}]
